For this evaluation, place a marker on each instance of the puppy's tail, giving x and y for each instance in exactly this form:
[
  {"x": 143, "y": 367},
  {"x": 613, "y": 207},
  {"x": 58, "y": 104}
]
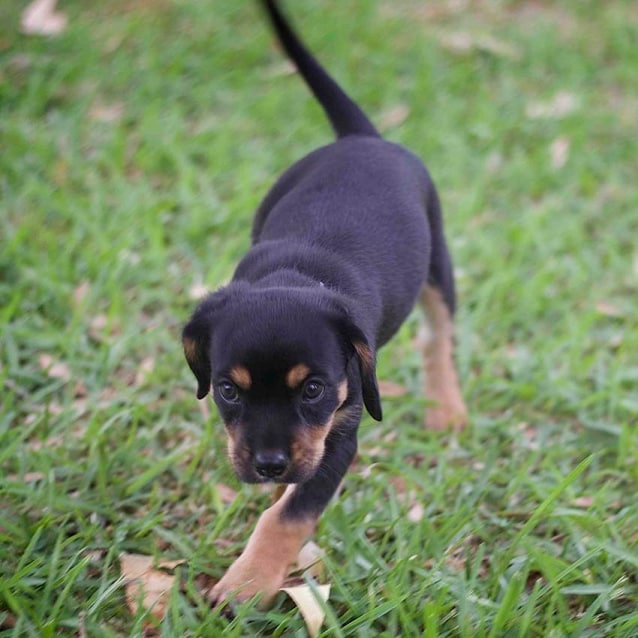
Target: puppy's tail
[{"x": 344, "y": 115}]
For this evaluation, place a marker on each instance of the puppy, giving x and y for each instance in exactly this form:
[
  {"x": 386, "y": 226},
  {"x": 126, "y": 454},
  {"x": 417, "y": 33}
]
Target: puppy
[{"x": 343, "y": 245}]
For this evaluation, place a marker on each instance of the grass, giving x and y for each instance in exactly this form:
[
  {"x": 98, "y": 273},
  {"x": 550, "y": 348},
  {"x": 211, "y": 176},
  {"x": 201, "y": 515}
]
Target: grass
[{"x": 135, "y": 148}]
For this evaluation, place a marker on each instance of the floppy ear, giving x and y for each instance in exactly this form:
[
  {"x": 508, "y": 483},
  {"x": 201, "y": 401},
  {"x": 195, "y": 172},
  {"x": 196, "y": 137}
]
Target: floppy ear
[
  {"x": 367, "y": 368},
  {"x": 196, "y": 339}
]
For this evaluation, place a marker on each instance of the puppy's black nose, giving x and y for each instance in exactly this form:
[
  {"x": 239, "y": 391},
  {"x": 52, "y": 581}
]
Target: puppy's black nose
[{"x": 271, "y": 464}]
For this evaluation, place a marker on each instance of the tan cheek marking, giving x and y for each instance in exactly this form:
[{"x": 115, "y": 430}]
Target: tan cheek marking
[
  {"x": 296, "y": 375},
  {"x": 237, "y": 452},
  {"x": 309, "y": 444},
  {"x": 307, "y": 448},
  {"x": 241, "y": 377}
]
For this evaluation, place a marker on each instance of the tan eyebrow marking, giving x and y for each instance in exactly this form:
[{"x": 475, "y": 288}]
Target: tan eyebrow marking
[
  {"x": 296, "y": 375},
  {"x": 241, "y": 377}
]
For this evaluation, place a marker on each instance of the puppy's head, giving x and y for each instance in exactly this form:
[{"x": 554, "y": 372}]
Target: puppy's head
[{"x": 277, "y": 362}]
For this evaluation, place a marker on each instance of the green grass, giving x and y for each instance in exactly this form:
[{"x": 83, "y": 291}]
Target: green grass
[{"x": 134, "y": 149}]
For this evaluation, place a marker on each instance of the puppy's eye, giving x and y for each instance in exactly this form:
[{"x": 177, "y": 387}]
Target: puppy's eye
[
  {"x": 312, "y": 390},
  {"x": 228, "y": 391}
]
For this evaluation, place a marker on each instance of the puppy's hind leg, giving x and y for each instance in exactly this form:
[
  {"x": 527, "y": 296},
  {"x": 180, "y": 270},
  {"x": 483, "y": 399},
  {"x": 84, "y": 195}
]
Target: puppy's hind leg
[{"x": 446, "y": 407}]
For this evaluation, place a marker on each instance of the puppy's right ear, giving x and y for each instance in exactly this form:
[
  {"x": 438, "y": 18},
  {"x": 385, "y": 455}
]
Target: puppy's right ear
[{"x": 196, "y": 339}]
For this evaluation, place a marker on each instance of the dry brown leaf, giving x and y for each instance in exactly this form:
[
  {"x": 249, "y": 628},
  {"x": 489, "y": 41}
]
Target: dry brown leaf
[
  {"x": 8, "y": 621},
  {"x": 106, "y": 113},
  {"x": 608, "y": 309},
  {"x": 80, "y": 292},
  {"x": 41, "y": 18},
  {"x": 144, "y": 370},
  {"x": 562, "y": 104},
  {"x": 416, "y": 512},
  {"x": 389, "y": 389},
  {"x": 204, "y": 409},
  {"x": 54, "y": 369},
  {"x": 311, "y": 610},
  {"x": 146, "y": 584},
  {"x": 584, "y": 501},
  {"x": 226, "y": 494},
  {"x": 559, "y": 152},
  {"x": 394, "y": 116},
  {"x": 29, "y": 477},
  {"x": 96, "y": 327},
  {"x": 463, "y": 42},
  {"x": 282, "y": 68},
  {"x": 198, "y": 290},
  {"x": 310, "y": 560}
]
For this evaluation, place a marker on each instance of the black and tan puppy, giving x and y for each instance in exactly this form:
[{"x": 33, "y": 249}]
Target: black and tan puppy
[{"x": 344, "y": 244}]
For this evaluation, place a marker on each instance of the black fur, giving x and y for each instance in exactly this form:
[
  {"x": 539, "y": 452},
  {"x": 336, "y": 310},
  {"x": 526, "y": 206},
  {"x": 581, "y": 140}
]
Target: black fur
[{"x": 342, "y": 245}]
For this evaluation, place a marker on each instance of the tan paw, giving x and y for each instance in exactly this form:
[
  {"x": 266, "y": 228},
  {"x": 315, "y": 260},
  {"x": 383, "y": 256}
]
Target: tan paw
[
  {"x": 246, "y": 579},
  {"x": 446, "y": 416}
]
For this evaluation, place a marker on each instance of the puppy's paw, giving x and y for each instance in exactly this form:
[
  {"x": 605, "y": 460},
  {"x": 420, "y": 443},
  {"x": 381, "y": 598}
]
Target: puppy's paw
[
  {"x": 446, "y": 416},
  {"x": 245, "y": 579}
]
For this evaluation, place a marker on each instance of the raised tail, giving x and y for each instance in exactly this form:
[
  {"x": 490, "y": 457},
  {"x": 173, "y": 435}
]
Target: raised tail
[{"x": 345, "y": 115}]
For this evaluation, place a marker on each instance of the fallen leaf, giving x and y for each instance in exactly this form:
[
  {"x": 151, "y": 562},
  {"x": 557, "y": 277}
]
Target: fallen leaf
[
  {"x": 204, "y": 409},
  {"x": 80, "y": 292},
  {"x": 463, "y": 42},
  {"x": 96, "y": 327},
  {"x": 562, "y": 104},
  {"x": 7, "y": 621},
  {"x": 79, "y": 391},
  {"x": 608, "y": 310},
  {"x": 310, "y": 560},
  {"x": 198, "y": 290},
  {"x": 29, "y": 477},
  {"x": 145, "y": 584},
  {"x": 281, "y": 69},
  {"x": 559, "y": 152},
  {"x": 41, "y": 18},
  {"x": 389, "y": 389},
  {"x": 416, "y": 512},
  {"x": 584, "y": 501},
  {"x": 394, "y": 116},
  {"x": 306, "y": 600},
  {"x": 54, "y": 369},
  {"x": 226, "y": 494},
  {"x": 144, "y": 370},
  {"x": 107, "y": 113}
]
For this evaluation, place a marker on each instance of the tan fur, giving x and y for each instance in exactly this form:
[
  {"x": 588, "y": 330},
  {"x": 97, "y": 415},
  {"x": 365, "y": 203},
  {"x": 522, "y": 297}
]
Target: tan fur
[
  {"x": 263, "y": 565},
  {"x": 241, "y": 376},
  {"x": 190, "y": 349},
  {"x": 238, "y": 453},
  {"x": 296, "y": 375},
  {"x": 441, "y": 380},
  {"x": 365, "y": 355},
  {"x": 342, "y": 392},
  {"x": 309, "y": 444},
  {"x": 277, "y": 493}
]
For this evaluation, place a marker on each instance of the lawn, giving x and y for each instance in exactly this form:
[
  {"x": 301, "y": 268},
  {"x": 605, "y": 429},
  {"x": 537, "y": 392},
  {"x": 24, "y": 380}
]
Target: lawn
[{"x": 134, "y": 149}]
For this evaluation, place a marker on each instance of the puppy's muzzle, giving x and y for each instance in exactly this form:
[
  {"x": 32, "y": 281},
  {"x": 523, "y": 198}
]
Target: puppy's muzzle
[{"x": 271, "y": 464}]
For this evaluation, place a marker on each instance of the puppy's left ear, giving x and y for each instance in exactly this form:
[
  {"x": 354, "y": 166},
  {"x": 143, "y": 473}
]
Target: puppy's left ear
[
  {"x": 196, "y": 339},
  {"x": 367, "y": 368}
]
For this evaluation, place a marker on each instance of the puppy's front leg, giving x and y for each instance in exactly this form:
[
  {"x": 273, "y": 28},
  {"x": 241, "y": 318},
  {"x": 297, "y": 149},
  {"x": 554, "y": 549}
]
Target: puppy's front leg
[{"x": 283, "y": 528}]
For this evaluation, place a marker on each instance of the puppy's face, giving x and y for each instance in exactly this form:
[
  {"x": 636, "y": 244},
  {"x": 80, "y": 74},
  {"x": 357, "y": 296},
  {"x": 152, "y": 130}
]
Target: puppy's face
[{"x": 276, "y": 365}]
